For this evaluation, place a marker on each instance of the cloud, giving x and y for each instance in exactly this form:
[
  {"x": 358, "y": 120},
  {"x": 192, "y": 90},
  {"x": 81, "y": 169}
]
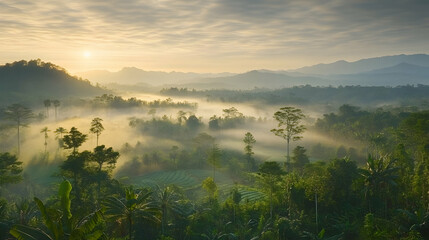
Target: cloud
[{"x": 261, "y": 32}]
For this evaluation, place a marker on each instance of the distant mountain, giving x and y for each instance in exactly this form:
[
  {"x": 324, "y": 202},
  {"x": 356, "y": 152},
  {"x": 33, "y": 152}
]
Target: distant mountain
[
  {"x": 401, "y": 74},
  {"x": 256, "y": 79},
  {"x": 24, "y": 81},
  {"x": 364, "y": 65},
  {"x": 132, "y": 75},
  {"x": 402, "y": 68}
]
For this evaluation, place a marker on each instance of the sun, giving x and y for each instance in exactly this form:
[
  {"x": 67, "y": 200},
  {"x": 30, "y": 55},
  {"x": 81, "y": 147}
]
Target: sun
[{"x": 87, "y": 54}]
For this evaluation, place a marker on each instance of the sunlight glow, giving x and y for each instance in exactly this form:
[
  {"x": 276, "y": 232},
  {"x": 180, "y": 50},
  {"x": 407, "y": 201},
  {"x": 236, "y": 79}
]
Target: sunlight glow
[{"x": 87, "y": 54}]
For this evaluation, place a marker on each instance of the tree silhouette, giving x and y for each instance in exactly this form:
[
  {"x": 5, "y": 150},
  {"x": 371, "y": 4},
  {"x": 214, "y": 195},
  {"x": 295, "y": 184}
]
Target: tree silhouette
[
  {"x": 20, "y": 115},
  {"x": 45, "y": 130},
  {"x": 56, "y": 105},
  {"x": 249, "y": 140},
  {"x": 300, "y": 158},
  {"x": 59, "y": 135},
  {"x": 47, "y": 104},
  {"x": 74, "y": 139},
  {"x": 101, "y": 157},
  {"x": 174, "y": 152},
  {"x": 96, "y": 127},
  {"x": 289, "y": 126}
]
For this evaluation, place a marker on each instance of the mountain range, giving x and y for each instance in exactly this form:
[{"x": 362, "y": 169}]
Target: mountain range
[{"x": 380, "y": 71}]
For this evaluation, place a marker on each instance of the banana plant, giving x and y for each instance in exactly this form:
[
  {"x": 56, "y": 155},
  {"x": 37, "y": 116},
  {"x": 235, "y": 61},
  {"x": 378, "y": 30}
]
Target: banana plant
[{"x": 59, "y": 224}]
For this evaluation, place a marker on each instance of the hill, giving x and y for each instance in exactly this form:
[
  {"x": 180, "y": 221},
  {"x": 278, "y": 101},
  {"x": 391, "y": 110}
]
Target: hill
[
  {"x": 365, "y": 65},
  {"x": 31, "y": 80}
]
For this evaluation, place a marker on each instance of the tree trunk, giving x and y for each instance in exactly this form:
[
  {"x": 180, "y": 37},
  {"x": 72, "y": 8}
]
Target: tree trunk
[
  {"x": 287, "y": 156},
  {"x": 18, "y": 140}
]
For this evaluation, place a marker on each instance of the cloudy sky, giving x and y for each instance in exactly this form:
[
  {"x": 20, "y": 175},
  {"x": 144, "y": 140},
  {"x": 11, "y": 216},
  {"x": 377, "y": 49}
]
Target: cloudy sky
[{"x": 209, "y": 35}]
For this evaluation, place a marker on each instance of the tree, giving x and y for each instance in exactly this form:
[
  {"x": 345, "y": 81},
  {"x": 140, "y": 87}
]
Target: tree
[
  {"x": 167, "y": 200},
  {"x": 300, "y": 158},
  {"x": 181, "y": 116},
  {"x": 74, "y": 167},
  {"x": 56, "y": 105},
  {"x": 379, "y": 176},
  {"x": 74, "y": 139},
  {"x": 20, "y": 115},
  {"x": 214, "y": 158},
  {"x": 59, "y": 135},
  {"x": 249, "y": 140},
  {"x": 174, "y": 152},
  {"x": 126, "y": 210},
  {"x": 96, "y": 127},
  {"x": 45, "y": 130},
  {"x": 10, "y": 169},
  {"x": 47, "y": 104},
  {"x": 101, "y": 157},
  {"x": 270, "y": 174},
  {"x": 289, "y": 126}
]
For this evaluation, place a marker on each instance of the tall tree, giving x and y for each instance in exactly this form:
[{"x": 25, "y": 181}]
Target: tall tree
[
  {"x": 214, "y": 158},
  {"x": 59, "y": 135},
  {"x": 74, "y": 139},
  {"x": 45, "y": 130},
  {"x": 104, "y": 156},
  {"x": 96, "y": 127},
  {"x": 20, "y": 115},
  {"x": 10, "y": 169},
  {"x": 47, "y": 104},
  {"x": 249, "y": 140},
  {"x": 289, "y": 126},
  {"x": 56, "y": 105}
]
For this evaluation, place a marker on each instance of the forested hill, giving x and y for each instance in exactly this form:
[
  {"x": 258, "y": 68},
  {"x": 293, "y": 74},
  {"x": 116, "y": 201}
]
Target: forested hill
[
  {"x": 308, "y": 95},
  {"x": 30, "y": 80}
]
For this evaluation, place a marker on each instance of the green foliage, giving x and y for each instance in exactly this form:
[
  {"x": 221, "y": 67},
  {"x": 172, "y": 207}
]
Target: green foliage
[
  {"x": 299, "y": 158},
  {"x": 10, "y": 169},
  {"x": 60, "y": 223},
  {"x": 74, "y": 139},
  {"x": 211, "y": 188}
]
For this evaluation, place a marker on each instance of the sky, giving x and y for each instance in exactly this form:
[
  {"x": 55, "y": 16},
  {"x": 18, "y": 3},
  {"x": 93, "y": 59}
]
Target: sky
[{"x": 209, "y": 35}]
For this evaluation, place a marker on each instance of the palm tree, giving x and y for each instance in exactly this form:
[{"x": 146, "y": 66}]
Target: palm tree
[
  {"x": 379, "y": 175},
  {"x": 45, "y": 130},
  {"x": 59, "y": 135},
  {"x": 56, "y": 105},
  {"x": 134, "y": 205},
  {"x": 47, "y": 104},
  {"x": 168, "y": 201}
]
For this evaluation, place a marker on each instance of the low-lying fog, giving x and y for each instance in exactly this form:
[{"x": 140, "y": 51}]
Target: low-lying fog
[{"x": 118, "y": 132}]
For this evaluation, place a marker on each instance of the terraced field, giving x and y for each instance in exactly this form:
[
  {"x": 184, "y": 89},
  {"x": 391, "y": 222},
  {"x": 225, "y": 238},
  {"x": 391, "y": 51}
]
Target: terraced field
[{"x": 192, "y": 179}]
